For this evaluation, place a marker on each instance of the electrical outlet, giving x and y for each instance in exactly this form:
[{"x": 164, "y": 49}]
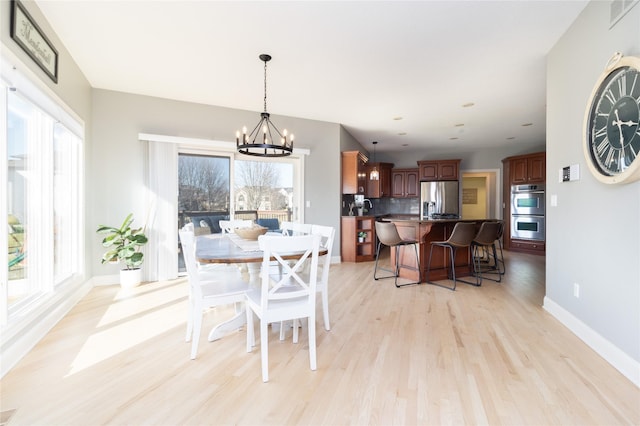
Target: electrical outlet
[{"x": 576, "y": 290}]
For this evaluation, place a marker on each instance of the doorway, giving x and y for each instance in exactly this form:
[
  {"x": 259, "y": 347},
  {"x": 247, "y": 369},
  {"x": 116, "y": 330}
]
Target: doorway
[{"x": 481, "y": 196}]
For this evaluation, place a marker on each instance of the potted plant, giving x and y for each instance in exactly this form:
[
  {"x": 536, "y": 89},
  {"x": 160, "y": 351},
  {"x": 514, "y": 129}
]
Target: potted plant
[
  {"x": 124, "y": 245},
  {"x": 361, "y": 236}
]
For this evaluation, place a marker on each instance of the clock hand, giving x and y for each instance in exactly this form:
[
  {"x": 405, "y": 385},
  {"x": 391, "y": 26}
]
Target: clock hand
[{"x": 618, "y": 123}]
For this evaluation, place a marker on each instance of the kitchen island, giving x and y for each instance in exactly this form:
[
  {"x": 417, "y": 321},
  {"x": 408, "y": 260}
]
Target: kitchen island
[{"x": 426, "y": 231}]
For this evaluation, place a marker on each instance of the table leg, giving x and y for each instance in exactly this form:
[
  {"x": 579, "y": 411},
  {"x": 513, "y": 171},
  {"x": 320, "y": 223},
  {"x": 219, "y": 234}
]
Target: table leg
[{"x": 240, "y": 317}]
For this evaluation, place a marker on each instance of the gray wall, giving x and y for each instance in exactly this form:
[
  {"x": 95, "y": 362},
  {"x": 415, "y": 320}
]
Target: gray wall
[
  {"x": 593, "y": 235},
  {"x": 118, "y": 174}
]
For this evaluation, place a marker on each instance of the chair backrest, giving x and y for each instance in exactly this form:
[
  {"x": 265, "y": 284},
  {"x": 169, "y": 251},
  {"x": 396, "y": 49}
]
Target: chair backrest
[
  {"x": 188, "y": 243},
  {"x": 228, "y": 226},
  {"x": 489, "y": 232},
  {"x": 463, "y": 233},
  {"x": 290, "y": 283},
  {"x": 387, "y": 233},
  {"x": 327, "y": 235},
  {"x": 294, "y": 228}
]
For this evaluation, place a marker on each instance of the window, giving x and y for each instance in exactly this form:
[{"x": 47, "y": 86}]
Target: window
[
  {"x": 208, "y": 189},
  {"x": 41, "y": 163}
]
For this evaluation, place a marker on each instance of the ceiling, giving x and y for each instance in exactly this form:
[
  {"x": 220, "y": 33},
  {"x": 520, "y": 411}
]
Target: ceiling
[{"x": 395, "y": 72}]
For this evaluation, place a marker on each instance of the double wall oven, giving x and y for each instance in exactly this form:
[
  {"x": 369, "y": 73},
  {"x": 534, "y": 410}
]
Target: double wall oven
[{"x": 528, "y": 211}]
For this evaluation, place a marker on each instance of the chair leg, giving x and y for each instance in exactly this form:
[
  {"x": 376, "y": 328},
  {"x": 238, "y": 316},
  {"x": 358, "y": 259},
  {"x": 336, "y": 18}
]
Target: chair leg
[
  {"x": 429, "y": 269},
  {"x": 375, "y": 269},
  {"x": 296, "y": 325},
  {"x": 501, "y": 260},
  {"x": 325, "y": 307},
  {"x": 264, "y": 349},
  {"x": 397, "y": 271},
  {"x": 312, "y": 342},
  {"x": 251, "y": 341},
  {"x": 189, "y": 335},
  {"x": 197, "y": 325}
]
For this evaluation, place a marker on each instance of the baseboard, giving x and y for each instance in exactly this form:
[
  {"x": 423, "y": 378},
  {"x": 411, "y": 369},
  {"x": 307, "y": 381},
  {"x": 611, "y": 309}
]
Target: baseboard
[
  {"x": 622, "y": 362},
  {"x": 105, "y": 280},
  {"x": 29, "y": 331}
]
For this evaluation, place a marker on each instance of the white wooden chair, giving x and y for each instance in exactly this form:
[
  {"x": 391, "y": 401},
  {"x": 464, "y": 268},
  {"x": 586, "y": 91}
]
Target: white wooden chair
[
  {"x": 295, "y": 228},
  {"x": 327, "y": 234},
  {"x": 228, "y": 226},
  {"x": 286, "y": 296},
  {"x": 207, "y": 289}
]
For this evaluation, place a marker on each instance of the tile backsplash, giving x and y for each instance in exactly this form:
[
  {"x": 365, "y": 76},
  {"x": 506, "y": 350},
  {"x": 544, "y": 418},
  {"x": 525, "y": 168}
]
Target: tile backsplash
[{"x": 383, "y": 206}]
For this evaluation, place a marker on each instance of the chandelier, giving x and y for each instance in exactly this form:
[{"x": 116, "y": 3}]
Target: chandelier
[
  {"x": 265, "y": 140},
  {"x": 375, "y": 174}
]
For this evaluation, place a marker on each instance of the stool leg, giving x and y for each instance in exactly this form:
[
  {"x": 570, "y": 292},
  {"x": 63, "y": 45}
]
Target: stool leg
[
  {"x": 397, "y": 270},
  {"x": 375, "y": 270}
]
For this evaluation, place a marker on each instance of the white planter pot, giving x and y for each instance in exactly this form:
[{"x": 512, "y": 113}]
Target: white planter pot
[{"x": 130, "y": 278}]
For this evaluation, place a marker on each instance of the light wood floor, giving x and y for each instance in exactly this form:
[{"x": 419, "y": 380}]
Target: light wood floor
[{"x": 416, "y": 355}]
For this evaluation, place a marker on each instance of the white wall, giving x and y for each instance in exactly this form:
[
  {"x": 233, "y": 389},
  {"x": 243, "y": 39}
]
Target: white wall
[{"x": 593, "y": 235}]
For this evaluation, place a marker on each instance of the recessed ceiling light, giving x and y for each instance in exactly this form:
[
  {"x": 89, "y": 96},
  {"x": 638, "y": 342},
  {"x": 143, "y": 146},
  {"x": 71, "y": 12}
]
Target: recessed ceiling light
[
  {"x": 468, "y": 104},
  {"x": 402, "y": 133},
  {"x": 527, "y": 124},
  {"x": 405, "y": 144},
  {"x": 511, "y": 138},
  {"x": 459, "y": 125},
  {"x": 453, "y": 139},
  {"x": 397, "y": 118}
]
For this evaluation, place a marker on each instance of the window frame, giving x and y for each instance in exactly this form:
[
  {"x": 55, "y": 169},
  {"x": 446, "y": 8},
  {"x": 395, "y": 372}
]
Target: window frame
[{"x": 53, "y": 111}]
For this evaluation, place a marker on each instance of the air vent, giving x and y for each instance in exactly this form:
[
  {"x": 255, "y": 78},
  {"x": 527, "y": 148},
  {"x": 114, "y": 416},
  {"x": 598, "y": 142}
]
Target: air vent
[{"x": 618, "y": 8}]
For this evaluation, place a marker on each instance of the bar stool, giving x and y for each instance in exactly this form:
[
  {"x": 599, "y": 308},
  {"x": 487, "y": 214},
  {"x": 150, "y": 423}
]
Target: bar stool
[
  {"x": 483, "y": 249},
  {"x": 461, "y": 237},
  {"x": 387, "y": 234}
]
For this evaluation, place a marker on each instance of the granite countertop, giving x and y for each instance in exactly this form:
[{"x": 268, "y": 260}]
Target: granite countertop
[{"x": 416, "y": 219}]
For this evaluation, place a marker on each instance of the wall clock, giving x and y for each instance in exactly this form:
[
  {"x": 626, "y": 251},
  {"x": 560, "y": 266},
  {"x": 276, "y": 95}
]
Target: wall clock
[{"x": 611, "y": 131}]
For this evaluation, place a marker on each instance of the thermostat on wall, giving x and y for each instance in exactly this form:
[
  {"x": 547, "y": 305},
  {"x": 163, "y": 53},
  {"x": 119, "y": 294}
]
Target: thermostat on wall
[{"x": 570, "y": 173}]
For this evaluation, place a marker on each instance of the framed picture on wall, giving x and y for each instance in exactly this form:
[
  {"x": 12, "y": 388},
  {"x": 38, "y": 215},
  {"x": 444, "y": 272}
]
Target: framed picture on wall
[{"x": 30, "y": 37}]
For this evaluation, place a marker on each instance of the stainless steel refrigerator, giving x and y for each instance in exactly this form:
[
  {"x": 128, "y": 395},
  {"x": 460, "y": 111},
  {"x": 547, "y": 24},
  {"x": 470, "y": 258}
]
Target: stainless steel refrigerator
[{"x": 440, "y": 199}]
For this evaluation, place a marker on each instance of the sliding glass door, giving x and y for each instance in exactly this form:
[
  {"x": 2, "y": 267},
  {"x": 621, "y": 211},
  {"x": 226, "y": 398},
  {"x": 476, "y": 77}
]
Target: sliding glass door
[{"x": 222, "y": 185}]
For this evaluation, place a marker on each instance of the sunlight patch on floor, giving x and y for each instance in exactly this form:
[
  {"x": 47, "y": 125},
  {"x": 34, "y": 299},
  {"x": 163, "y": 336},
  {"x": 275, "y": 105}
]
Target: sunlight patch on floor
[{"x": 132, "y": 321}]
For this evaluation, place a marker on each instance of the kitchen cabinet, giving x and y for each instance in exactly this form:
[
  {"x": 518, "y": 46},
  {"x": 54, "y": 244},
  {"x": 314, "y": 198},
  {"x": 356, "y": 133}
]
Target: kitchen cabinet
[
  {"x": 528, "y": 169},
  {"x": 351, "y": 249},
  {"x": 405, "y": 183},
  {"x": 518, "y": 170},
  {"x": 354, "y": 172},
  {"x": 439, "y": 170},
  {"x": 381, "y": 187}
]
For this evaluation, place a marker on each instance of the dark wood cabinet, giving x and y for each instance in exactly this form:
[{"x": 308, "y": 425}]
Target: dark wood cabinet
[
  {"x": 528, "y": 169},
  {"x": 354, "y": 172},
  {"x": 405, "y": 183},
  {"x": 536, "y": 247},
  {"x": 439, "y": 170},
  {"x": 518, "y": 170},
  {"x": 351, "y": 248},
  {"x": 381, "y": 187}
]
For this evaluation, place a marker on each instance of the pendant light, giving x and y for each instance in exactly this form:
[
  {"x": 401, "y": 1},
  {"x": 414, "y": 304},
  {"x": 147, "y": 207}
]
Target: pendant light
[
  {"x": 374, "y": 174},
  {"x": 272, "y": 143}
]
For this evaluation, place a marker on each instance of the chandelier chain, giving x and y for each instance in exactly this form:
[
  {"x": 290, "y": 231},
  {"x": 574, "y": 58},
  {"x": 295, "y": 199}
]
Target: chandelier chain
[{"x": 265, "y": 86}]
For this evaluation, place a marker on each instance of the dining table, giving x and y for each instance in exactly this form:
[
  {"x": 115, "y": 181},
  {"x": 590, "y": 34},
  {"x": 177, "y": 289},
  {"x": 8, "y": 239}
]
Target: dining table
[{"x": 232, "y": 249}]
